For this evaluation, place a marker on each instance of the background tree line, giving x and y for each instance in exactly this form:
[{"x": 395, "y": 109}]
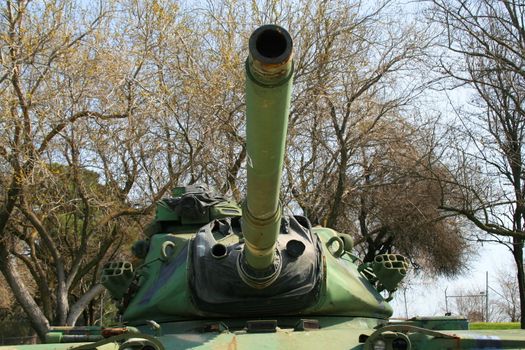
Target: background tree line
[
  {"x": 105, "y": 107},
  {"x": 503, "y": 299}
]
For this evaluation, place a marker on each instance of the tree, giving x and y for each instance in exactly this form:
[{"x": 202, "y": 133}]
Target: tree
[
  {"x": 33, "y": 52},
  {"x": 348, "y": 60},
  {"x": 362, "y": 171},
  {"x": 485, "y": 42},
  {"x": 347, "y": 111},
  {"x": 508, "y": 297},
  {"x": 58, "y": 119}
]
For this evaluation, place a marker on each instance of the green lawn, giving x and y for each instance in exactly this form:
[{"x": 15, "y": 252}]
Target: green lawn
[{"x": 494, "y": 325}]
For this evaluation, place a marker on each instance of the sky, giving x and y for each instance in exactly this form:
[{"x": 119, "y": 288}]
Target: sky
[{"x": 426, "y": 297}]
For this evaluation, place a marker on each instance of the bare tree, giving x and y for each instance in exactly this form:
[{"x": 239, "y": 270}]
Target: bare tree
[
  {"x": 485, "y": 42},
  {"x": 508, "y": 297},
  {"x": 355, "y": 157},
  {"x": 70, "y": 152},
  {"x": 33, "y": 52}
]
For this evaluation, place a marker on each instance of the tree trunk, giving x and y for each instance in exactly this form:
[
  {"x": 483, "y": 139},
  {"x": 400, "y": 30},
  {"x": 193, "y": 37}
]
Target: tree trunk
[
  {"x": 10, "y": 271},
  {"x": 62, "y": 305},
  {"x": 517, "y": 252},
  {"x": 82, "y": 303}
]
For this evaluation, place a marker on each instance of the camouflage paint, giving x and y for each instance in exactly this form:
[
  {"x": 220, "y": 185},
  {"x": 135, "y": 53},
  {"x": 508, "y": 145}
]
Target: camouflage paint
[{"x": 268, "y": 92}]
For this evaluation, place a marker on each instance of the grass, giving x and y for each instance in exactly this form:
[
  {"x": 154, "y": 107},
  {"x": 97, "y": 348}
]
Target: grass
[{"x": 494, "y": 325}]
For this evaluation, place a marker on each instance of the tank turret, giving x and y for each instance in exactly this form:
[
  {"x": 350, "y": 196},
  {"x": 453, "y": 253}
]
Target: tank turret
[
  {"x": 205, "y": 256},
  {"x": 255, "y": 269}
]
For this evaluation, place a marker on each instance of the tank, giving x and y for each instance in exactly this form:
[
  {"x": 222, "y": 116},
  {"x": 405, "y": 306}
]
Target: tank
[{"x": 213, "y": 274}]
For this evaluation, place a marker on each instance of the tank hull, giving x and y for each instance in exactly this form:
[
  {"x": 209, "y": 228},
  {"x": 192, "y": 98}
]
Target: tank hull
[{"x": 334, "y": 333}]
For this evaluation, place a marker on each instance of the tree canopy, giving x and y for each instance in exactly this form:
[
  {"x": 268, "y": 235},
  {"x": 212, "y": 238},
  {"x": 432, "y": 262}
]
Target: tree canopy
[{"x": 484, "y": 44}]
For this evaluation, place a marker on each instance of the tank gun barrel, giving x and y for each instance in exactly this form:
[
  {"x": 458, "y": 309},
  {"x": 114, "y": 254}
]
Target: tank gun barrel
[{"x": 269, "y": 70}]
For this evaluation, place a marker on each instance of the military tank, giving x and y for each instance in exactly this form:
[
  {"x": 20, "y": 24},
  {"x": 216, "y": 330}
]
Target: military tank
[{"x": 211, "y": 274}]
